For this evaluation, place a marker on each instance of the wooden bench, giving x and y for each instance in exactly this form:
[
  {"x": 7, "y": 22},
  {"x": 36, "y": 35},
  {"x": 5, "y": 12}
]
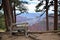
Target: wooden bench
[{"x": 22, "y": 27}]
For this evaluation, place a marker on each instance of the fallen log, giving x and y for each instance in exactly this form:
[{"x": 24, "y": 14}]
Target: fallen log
[
  {"x": 34, "y": 37},
  {"x": 36, "y": 32},
  {"x": 39, "y": 32}
]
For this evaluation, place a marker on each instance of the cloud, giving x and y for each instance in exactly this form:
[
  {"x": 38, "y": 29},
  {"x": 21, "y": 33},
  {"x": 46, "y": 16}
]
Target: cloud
[{"x": 31, "y": 8}]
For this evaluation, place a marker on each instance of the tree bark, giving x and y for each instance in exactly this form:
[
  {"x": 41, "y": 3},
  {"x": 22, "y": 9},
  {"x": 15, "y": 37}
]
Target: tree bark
[
  {"x": 47, "y": 15},
  {"x": 14, "y": 13},
  {"x": 55, "y": 14},
  {"x": 7, "y": 13}
]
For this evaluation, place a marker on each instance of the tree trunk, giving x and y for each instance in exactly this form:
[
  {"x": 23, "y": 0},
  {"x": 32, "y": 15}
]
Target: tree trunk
[
  {"x": 47, "y": 26},
  {"x": 7, "y": 13},
  {"x": 13, "y": 14},
  {"x": 55, "y": 14}
]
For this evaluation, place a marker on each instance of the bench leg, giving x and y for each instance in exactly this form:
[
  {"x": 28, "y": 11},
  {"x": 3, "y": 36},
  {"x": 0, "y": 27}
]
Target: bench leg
[{"x": 26, "y": 33}]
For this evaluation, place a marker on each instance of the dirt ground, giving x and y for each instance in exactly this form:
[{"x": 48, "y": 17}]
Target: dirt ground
[
  {"x": 45, "y": 36},
  {"x": 13, "y": 37},
  {"x": 48, "y": 36}
]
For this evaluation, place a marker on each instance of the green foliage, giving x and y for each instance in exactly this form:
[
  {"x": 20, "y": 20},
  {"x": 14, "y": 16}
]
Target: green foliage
[
  {"x": 19, "y": 3},
  {"x": 2, "y": 23},
  {"x": 0, "y": 7},
  {"x": 41, "y": 3}
]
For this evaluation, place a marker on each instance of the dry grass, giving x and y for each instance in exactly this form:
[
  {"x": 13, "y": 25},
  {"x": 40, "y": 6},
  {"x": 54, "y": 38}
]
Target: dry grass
[{"x": 1, "y": 30}]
